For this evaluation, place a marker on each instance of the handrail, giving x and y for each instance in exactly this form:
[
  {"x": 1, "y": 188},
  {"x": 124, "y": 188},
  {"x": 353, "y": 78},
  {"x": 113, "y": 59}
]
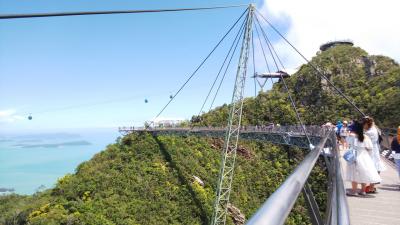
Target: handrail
[
  {"x": 278, "y": 206},
  {"x": 339, "y": 214},
  {"x": 343, "y": 217}
]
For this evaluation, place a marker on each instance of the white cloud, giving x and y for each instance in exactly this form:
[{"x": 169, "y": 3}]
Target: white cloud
[
  {"x": 372, "y": 25},
  {"x": 9, "y": 116}
]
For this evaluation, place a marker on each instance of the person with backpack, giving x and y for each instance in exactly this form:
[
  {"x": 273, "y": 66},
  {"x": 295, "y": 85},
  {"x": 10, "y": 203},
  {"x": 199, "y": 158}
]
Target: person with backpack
[{"x": 338, "y": 127}]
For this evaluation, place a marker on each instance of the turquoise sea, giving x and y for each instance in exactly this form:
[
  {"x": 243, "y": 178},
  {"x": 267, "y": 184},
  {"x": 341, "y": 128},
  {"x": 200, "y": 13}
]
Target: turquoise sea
[{"x": 34, "y": 161}]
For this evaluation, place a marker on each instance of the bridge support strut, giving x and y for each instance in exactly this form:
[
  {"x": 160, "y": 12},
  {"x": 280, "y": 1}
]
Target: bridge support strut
[
  {"x": 233, "y": 129},
  {"x": 312, "y": 206}
]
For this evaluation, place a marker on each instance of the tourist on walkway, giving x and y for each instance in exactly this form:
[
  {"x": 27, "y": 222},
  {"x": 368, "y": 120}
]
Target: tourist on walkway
[
  {"x": 339, "y": 126},
  {"x": 343, "y": 134},
  {"x": 362, "y": 170},
  {"x": 371, "y": 130},
  {"x": 396, "y": 148}
]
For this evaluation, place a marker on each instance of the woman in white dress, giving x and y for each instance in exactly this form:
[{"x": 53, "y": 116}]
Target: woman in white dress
[
  {"x": 362, "y": 170},
  {"x": 371, "y": 130}
]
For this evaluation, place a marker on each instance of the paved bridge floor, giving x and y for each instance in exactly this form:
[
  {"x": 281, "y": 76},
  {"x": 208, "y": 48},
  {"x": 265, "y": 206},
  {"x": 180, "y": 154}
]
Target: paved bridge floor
[{"x": 382, "y": 208}]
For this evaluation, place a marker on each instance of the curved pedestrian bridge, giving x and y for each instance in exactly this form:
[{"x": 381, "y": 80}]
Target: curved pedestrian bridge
[{"x": 284, "y": 135}]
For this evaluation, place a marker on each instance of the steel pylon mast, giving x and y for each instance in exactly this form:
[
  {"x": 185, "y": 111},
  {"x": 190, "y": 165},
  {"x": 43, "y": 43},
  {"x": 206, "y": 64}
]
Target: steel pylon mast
[{"x": 232, "y": 134}]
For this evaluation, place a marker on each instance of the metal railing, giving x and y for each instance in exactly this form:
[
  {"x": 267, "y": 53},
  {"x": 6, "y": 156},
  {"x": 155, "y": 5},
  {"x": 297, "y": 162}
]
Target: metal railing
[
  {"x": 278, "y": 206},
  {"x": 337, "y": 211}
]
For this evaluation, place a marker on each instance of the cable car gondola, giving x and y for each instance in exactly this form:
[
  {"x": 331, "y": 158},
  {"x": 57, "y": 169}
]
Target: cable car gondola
[{"x": 30, "y": 117}]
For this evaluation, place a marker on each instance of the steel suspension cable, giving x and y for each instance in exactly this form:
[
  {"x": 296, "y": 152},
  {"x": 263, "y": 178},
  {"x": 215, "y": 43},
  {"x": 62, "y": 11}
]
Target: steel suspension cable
[
  {"x": 222, "y": 66},
  {"x": 262, "y": 49},
  {"x": 311, "y": 64},
  {"x": 58, "y": 14},
  {"x": 272, "y": 47},
  {"x": 254, "y": 64},
  {"x": 285, "y": 85},
  {"x": 254, "y": 71},
  {"x": 265, "y": 57},
  {"x": 199, "y": 66},
  {"x": 266, "y": 62},
  {"x": 226, "y": 69},
  {"x": 256, "y": 99}
]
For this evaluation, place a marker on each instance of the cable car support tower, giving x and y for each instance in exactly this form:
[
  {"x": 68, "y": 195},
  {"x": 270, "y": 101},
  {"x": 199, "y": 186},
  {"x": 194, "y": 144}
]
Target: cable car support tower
[{"x": 232, "y": 133}]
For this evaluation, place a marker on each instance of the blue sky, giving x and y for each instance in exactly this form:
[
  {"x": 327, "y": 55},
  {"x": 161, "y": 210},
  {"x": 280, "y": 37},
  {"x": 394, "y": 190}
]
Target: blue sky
[{"x": 64, "y": 69}]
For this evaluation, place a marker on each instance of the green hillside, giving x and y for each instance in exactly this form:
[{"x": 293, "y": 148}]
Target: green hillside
[
  {"x": 146, "y": 180},
  {"x": 372, "y": 82},
  {"x": 141, "y": 179}
]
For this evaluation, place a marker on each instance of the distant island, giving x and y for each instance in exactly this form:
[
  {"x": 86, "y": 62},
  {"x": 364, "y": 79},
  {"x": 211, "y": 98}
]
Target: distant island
[
  {"x": 54, "y": 145},
  {"x": 48, "y": 136},
  {"x": 7, "y": 190}
]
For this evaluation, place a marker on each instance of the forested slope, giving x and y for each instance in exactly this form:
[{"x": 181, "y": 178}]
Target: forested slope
[{"x": 146, "y": 180}]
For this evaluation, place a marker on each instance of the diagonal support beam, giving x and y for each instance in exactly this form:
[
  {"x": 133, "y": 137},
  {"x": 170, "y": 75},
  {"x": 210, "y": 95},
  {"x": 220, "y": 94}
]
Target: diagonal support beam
[{"x": 312, "y": 206}]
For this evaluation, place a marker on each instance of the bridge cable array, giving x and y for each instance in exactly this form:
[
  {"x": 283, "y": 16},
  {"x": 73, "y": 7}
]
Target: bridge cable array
[
  {"x": 199, "y": 66},
  {"x": 282, "y": 79},
  {"x": 266, "y": 64},
  {"x": 254, "y": 63},
  {"x": 236, "y": 40}
]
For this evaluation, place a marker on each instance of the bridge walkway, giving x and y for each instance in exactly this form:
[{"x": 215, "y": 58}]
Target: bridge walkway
[
  {"x": 378, "y": 209},
  {"x": 286, "y": 135}
]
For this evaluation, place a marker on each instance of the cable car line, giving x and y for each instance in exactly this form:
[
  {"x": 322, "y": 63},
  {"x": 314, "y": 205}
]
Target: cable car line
[
  {"x": 110, "y": 101},
  {"x": 58, "y": 14}
]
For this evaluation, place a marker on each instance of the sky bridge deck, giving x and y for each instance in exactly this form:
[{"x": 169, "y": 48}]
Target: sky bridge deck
[
  {"x": 285, "y": 135},
  {"x": 377, "y": 209}
]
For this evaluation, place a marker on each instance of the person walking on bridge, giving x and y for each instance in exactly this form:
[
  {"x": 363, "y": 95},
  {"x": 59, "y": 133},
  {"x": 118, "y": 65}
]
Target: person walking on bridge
[
  {"x": 339, "y": 126},
  {"x": 362, "y": 170},
  {"x": 372, "y": 131},
  {"x": 395, "y": 146},
  {"x": 344, "y": 131}
]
